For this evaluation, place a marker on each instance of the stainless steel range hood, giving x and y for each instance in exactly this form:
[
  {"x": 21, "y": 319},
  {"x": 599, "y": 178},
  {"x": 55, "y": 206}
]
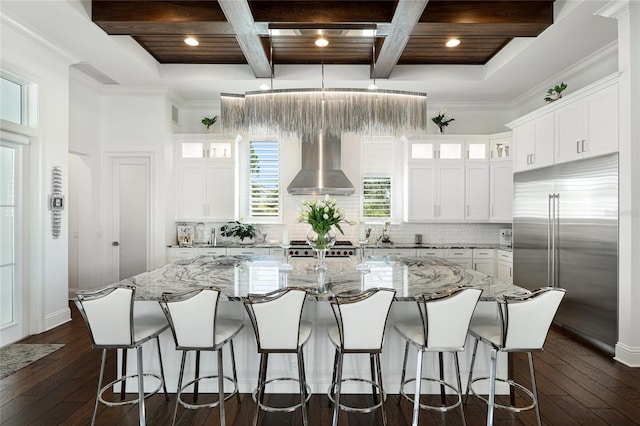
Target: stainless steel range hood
[{"x": 321, "y": 169}]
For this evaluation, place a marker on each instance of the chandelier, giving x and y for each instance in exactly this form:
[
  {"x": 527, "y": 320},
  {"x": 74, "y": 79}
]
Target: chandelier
[{"x": 306, "y": 113}]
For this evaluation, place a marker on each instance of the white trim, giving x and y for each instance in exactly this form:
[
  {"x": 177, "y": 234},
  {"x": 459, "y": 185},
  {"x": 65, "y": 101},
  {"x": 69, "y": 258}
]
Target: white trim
[
  {"x": 572, "y": 97},
  {"x": 57, "y": 318},
  {"x": 605, "y": 53},
  {"x": 627, "y": 355}
]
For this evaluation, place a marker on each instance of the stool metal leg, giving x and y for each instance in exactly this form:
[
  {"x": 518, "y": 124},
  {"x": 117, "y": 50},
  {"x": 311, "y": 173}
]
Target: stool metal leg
[
  {"x": 233, "y": 367},
  {"x": 303, "y": 387},
  {"x": 372, "y": 363},
  {"x": 384, "y": 414},
  {"x": 95, "y": 409},
  {"x": 164, "y": 382},
  {"x": 175, "y": 411},
  {"x": 404, "y": 371},
  {"x": 457, "y": 365},
  {"x": 534, "y": 388},
  {"x": 492, "y": 387},
  {"x": 336, "y": 408},
  {"x": 221, "y": 388},
  {"x": 141, "y": 387},
  {"x": 123, "y": 387},
  {"x": 260, "y": 388},
  {"x": 416, "y": 398},
  {"x": 443, "y": 397},
  {"x": 197, "y": 374},
  {"x": 473, "y": 361}
]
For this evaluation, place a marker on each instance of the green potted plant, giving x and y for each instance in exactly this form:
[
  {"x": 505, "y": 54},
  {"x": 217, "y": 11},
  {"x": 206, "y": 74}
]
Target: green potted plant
[
  {"x": 245, "y": 232},
  {"x": 208, "y": 122},
  {"x": 555, "y": 92},
  {"x": 442, "y": 120}
]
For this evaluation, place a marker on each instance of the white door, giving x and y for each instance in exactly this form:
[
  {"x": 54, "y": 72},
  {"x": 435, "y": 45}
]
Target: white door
[
  {"x": 131, "y": 216},
  {"x": 451, "y": 192},
  {"x": 13, "y": 295}
]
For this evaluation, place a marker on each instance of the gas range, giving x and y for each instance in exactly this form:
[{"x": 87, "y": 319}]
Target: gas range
[{"x": 300, "y": 248}]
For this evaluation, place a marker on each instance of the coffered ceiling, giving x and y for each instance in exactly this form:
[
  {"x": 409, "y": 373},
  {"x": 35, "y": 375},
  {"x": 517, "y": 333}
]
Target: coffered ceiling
[{"x": 265, "y": 33}]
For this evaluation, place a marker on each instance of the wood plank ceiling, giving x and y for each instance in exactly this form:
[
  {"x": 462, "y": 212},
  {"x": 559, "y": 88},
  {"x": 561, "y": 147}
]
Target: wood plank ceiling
[{"x": 258, "y": 32}]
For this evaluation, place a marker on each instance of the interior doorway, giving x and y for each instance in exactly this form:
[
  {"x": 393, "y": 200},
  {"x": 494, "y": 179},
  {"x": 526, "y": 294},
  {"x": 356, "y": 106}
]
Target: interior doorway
[{"x": 130, "y": 215}]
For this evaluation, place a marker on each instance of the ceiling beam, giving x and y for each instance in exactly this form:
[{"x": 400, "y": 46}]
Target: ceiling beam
[
  {"x": 239, "y": 15},
  {"x": 405, "y": 18}
]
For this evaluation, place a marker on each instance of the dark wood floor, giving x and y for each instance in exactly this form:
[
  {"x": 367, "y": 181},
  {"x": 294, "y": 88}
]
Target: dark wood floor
[{"x": 577, "y": 385}]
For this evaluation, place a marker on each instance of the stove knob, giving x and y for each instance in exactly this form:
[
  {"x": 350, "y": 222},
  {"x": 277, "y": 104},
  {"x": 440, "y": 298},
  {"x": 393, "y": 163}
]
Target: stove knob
[{"x": 296, "y": 252}]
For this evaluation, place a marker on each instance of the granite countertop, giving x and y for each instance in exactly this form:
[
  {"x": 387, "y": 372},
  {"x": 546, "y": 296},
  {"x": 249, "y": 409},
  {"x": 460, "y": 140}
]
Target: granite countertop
[
  {"x": 237, "y": 276},
  {"x": 392, "y": 245}
]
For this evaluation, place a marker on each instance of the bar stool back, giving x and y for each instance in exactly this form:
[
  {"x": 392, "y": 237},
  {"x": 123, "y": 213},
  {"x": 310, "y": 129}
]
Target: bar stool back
[
  {"x": 277, "y": 322},
  {"x": 196, "y": 327},
  {"x": 360, "y": 324},
  {"x": 114, "y": 324},
  {"x": 522, "y": 327},
  {"x": 444, "y": 325}
]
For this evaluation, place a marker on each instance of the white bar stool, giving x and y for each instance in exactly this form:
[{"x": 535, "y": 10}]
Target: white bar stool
[
  {"x": 114, "y": 324},
  {"x": 444, "y": 325},
  {"x": 277, "y": 322},
  {"x": 361, "y": 320},
  {"x": 196, "y": 327},
  {"x": 522, "y": 327}
]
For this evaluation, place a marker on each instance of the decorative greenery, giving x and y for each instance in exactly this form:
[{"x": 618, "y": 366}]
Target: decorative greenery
[
  {"x": 322, "y": 215},
  {"x": 442, "y": 120},
  {"x": 208, "y": 121},
  {"x": 240, "y": 230},
  {"x": 555, "y": 92}
]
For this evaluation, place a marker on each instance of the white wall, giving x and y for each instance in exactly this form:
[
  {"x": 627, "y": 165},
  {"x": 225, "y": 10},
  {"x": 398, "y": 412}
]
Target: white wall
[
  {"x": 28, "y": 57},
  {"x": 85, "y": 115}
]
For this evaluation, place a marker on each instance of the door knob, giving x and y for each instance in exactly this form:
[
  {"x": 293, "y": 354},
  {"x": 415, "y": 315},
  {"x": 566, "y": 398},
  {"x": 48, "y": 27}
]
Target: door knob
[{"x": 115, "y": 244}]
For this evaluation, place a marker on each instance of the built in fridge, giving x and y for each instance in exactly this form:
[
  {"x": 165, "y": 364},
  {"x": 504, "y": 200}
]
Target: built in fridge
[{"x": 565, "y": 234}]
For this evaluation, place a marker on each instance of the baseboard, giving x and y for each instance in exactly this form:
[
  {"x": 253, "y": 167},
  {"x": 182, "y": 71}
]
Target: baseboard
[
  {"x": 57, "y": 318},
  {"x": 627, "y": 355}
]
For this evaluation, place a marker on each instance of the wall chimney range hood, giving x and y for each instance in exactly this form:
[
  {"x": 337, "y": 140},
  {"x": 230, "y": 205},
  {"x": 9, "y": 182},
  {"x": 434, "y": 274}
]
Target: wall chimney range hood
[{"x": 321, "y": 169}]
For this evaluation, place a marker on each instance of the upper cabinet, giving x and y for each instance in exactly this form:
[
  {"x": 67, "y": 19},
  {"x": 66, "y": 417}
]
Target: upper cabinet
[
  {"x": 205, "y": 176},
  {"x": 533, "y": 143},
  {"x": 587, "y": 127},
  {"x": 582, "y": 124}
]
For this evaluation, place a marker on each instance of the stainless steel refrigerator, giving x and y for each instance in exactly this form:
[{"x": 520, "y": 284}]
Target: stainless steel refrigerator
[{"x": 565, "y": 234}]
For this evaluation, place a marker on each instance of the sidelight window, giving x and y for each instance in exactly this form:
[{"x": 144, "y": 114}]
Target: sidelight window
[{"x": 264, "y": 179}]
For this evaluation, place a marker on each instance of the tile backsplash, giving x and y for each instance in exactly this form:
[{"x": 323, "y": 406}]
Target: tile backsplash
[{"x": 401, "y": 233}]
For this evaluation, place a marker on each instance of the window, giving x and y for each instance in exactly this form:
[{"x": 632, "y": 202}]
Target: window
[
  {"x": 376, "y": 195},
  {"x": 10, "y": 101},
  {"x": 264, "y": 179}
]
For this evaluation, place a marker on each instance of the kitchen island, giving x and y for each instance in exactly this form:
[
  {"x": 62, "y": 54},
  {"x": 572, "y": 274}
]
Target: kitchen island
[{"x": 237, "y": 276}]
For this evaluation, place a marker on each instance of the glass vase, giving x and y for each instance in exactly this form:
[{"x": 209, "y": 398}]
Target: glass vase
[{"x": 321, "y": 243}]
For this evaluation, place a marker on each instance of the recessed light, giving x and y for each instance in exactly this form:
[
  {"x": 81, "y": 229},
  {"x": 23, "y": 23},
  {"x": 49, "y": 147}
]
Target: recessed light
[
  {"x": 372, "y": 87},
  {"x": 452, "y": 42},
  {"x": 264, "y": 87},
  {"x": 191, "y": 41},
  {"x": 322, "y": 42}
]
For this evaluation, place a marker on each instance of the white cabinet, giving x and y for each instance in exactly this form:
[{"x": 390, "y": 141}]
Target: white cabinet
[
  {"x": 533, "y": 143},
  {"x": 505, "y": 266},
  {"x": 205, "y": 192},
  {"x": 180, "y": 253},
  {"x": 212, "y": 251},
  {"x": 428, "y": 252},
  {"x": 248, "y": 251},
  {"x": 483, "y": 261},
  {"x": 477, "y": 149},
  {"x": 205, "y": 178},
  {"x": 587, "y": 127},
  {"x": 390, "y": 251},
  {"x": 436, "y": 192},
  {"x": 477, "y": 192},
  {"x": 501, "y": 191},
  {"x": 462, "y": 257}
]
